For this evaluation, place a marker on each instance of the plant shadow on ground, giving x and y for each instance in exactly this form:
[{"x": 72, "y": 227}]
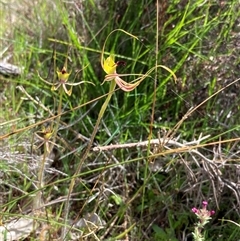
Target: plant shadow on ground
[{"x": 142, "y": 192}]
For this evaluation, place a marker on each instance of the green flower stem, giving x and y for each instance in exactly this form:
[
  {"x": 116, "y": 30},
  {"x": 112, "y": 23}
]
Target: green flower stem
[
  {"x": 47, "y": 150},
  {"x": 61, "y": 90},
  {"x": 38, "y": 199},
  {"x": 78, "y": 170}
]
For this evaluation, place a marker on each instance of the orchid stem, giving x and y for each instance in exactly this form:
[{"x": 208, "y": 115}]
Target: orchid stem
[
  {"x": 78, "y": 170},
  {"x": 59, "y": 114}
]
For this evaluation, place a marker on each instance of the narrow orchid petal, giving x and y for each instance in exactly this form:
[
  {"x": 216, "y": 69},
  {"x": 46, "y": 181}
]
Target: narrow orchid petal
[
  {"x": 81, "y": 82},
  {"x": 110, "y": 77},
  {"x": 44, "y": 79},
  {"x": 68, "y": 92},
  {"x": 127, "y": 87},
  {"x": 103, "y": 49},
  {"x": 55, "y": 86}
]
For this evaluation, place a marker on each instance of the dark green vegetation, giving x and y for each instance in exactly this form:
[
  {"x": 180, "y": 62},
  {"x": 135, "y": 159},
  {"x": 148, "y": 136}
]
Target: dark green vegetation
[{"x": 140, "y": 193}]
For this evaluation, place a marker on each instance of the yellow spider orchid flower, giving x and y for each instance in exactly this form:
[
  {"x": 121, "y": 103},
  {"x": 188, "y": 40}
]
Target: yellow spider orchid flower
[
  {"x": 63, "y": 76},
  {"x": 110, "y": 67}
]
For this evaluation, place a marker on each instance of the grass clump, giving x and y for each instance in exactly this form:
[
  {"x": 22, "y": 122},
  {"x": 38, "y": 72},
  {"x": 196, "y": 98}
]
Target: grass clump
[{"x": 134, "y": 169}]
